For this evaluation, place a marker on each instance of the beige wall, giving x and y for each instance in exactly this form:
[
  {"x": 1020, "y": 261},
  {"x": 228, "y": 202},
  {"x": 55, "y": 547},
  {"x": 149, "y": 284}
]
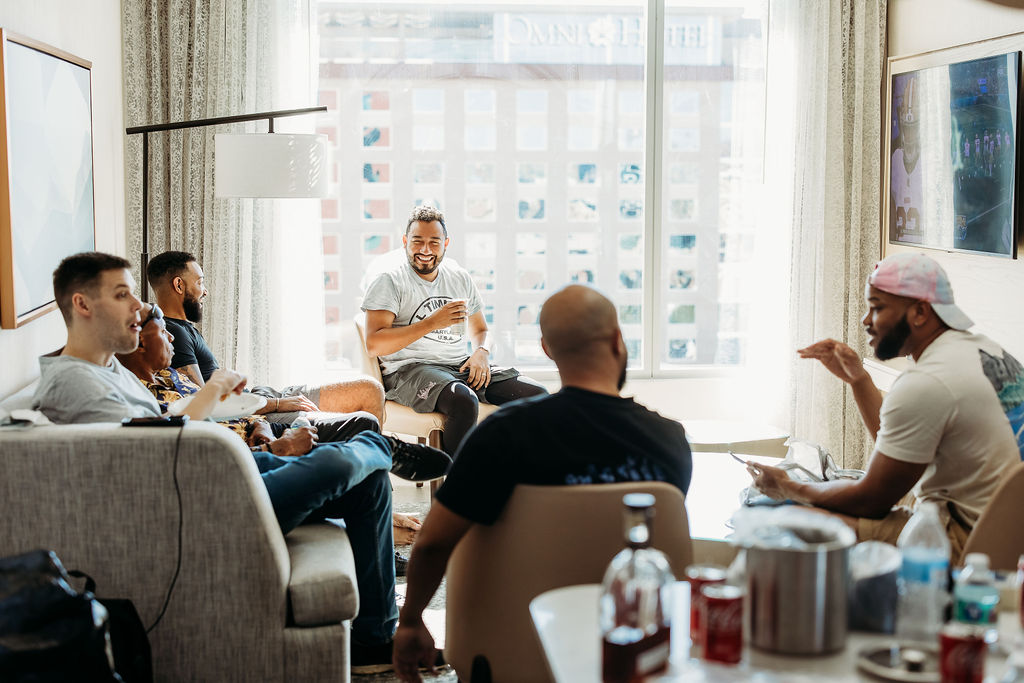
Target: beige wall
[
  {"x": 90, "y": 29},
  {"x": 989, "y": 289}
]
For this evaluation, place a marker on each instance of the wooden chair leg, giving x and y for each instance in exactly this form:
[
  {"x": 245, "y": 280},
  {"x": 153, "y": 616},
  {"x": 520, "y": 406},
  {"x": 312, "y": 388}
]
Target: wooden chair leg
[
  {"x": 434, "y": 440},
  {"x": 421, "y": 440}
]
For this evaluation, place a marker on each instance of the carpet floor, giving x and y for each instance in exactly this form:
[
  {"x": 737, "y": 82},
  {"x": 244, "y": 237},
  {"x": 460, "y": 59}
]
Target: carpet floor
[{"x": 433, "y": 616}]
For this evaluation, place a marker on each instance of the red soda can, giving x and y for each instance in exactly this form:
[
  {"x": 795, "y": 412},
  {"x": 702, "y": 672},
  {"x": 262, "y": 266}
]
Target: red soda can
[
  {"x": 962, "y": 652},
  {"x": 1020, "y": 589},
  {"x": 722, "y": 623},
  {"x": 700, "y": 575}
]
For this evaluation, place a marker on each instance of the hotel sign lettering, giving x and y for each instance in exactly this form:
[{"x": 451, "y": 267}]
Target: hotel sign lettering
[{"x": 607, "y": 39}]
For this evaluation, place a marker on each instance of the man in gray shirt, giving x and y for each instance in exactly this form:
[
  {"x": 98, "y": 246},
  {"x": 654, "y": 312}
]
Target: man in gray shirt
[
  {"x": 419, "y": 317},
  {"x": 84, "y": 382}
]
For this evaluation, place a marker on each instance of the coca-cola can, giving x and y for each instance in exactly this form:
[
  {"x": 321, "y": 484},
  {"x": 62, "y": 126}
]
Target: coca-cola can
[
  {"x": 962, "y": 652},
  {"x": 722, "y": 623},
  {"x": 1020, "y": 589},
  {"x": 700, "y": 575}
]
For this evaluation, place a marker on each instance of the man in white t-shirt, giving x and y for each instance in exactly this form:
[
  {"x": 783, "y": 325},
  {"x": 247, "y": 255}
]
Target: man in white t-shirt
[
  {"x": 419, "y": 317},
  {"x": 946, "y": 430}
]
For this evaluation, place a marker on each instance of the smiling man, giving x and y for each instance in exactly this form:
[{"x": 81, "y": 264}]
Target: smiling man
[
  {"x": 946, "y": 430},
  {"x": 419, "y": 317}
]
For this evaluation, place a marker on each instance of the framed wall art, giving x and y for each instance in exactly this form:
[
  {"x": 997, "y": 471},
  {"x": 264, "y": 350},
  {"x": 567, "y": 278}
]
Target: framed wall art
[
  {"x": 46, "y": 171},
  {"x": 952, "y": 150}
]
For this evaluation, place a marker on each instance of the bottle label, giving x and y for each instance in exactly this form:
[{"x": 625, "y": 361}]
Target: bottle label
[
  {"x": 925, "y": 570},
  {"x": 652, "y": 660},
  {"x": 974, "y": 612}
]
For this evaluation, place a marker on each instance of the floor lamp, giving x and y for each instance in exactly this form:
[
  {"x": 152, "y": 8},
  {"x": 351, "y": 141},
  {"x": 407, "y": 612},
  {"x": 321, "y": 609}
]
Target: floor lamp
[{"x": 268, "y": 165}]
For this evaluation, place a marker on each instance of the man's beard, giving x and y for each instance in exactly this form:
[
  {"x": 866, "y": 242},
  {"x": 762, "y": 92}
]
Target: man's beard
[
  {"x": 892, "y": 343},
  {"x": 193, "y": 309},
  {"x": 425, "y": 270},
  {"x": 622, "y": 373}
]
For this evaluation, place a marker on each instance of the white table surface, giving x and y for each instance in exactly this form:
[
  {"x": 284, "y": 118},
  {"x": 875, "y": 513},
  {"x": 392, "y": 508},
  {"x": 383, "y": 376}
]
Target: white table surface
[
  {"x": 714, "y": 494},
  {"x": 566, "y": 621}
]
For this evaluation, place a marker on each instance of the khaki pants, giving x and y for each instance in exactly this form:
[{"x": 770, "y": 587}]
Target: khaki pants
[{"x": 889, "y": 527}]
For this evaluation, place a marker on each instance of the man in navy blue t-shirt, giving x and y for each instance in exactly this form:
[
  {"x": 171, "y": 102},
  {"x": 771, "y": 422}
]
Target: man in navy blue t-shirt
[
  {"x": 179, "y": 285},
  {"x": 584, "y": 434}
]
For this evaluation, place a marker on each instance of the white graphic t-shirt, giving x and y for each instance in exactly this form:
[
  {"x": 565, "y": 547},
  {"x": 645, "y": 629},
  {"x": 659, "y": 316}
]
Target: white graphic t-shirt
[
  {"x": 411, "y": 298},
  {"x": 906, "y": 190}
]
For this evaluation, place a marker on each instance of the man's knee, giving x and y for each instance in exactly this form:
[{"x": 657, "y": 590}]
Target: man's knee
[
  {"x": 363, "y": 421},
  {"x": 458, "y": 397}
]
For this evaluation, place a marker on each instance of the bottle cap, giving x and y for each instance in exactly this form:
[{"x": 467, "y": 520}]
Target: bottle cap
[
  {"x": 976, "y": 560},
  {"x": 638, "y": 501}
]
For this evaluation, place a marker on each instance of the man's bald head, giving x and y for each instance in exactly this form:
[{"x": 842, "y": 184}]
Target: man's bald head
[{"x": 574, "y": 319}]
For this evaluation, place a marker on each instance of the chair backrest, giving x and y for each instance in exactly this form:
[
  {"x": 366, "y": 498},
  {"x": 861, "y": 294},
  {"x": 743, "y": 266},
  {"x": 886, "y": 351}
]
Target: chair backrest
[
  {"x": 547, "y": 537},
  {"x": 369, "y": 364},
  {"x": 999, "y": 532}
]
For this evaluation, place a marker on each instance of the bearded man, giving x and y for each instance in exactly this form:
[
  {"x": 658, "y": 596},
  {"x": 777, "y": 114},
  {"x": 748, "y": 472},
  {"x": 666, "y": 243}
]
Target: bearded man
[
  {"x": 179, "y": 284},
  {"x": 947, "y": 429},
  {"x": 419, "y": 317}
]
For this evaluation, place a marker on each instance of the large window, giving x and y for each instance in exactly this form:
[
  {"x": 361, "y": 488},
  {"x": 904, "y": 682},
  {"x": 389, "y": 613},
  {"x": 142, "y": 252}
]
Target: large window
[{"x": 563, "y": 146}]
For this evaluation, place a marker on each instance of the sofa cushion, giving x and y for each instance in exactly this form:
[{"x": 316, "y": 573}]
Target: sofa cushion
[{"x": 322, "y": 586}]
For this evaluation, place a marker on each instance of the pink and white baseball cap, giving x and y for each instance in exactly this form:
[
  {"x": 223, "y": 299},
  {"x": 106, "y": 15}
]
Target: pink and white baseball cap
[{"x": 917, "y": 276}]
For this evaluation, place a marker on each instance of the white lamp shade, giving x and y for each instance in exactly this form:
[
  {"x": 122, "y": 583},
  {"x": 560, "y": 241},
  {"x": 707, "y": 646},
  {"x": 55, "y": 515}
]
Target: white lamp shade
[{"x": 272, "y": 165}]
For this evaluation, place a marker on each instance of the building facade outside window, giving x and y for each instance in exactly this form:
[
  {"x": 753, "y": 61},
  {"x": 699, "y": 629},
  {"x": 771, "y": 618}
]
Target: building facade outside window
[{"x": 529, "y": 126}]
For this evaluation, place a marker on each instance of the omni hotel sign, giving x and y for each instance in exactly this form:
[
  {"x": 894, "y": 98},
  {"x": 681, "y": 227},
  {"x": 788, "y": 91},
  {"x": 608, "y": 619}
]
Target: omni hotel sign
[{"x": 602, "y": 39}]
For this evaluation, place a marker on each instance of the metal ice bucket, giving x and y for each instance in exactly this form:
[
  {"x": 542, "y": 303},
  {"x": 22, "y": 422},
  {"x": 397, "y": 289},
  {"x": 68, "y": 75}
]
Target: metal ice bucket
[{"x": 798, "y": 596}]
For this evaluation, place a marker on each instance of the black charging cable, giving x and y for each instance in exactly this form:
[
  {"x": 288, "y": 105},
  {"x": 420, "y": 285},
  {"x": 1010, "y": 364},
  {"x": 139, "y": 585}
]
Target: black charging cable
[{"x": 181, "y": 523}]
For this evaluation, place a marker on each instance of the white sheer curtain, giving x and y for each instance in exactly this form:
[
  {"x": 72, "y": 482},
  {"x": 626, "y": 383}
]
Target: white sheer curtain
[
  {"x": 823, "y": 173},
  {"x": 262, "y": 258}
]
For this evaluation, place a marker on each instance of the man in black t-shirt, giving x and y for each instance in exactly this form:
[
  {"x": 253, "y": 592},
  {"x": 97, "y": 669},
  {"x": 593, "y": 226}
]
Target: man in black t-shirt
[
  {"x": 178, "y": 283},
  {"x": 584, "y": 434}
]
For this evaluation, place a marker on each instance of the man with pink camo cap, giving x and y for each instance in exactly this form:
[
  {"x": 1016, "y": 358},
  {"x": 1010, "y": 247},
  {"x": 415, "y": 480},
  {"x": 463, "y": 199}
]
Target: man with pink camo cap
[{"x": 949, "y": 427}]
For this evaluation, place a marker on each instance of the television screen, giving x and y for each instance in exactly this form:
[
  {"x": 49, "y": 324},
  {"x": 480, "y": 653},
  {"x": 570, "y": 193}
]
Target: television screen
[{"x": 953, "y": 135}]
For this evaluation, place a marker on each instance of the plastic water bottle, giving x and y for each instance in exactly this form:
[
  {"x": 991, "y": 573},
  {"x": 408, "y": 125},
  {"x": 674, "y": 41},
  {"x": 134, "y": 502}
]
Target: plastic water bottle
[
  {"x": 923, "y": 575},
  {"x": 976, "y": 597}
]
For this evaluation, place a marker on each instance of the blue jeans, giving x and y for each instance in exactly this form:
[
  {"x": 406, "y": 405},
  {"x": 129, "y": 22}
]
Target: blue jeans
[{"x": 346, "y": 481}]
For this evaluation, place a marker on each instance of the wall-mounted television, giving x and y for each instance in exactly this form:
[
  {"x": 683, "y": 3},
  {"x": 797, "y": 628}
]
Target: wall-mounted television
[{"x": 953, "y": 140}]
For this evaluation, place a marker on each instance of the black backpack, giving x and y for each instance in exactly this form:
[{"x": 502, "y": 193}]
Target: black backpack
[{"x": 51, "y": 632}]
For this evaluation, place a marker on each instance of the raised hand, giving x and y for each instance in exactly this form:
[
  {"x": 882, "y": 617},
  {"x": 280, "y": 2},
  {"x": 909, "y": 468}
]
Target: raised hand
[{"x": 838, "y": 358}]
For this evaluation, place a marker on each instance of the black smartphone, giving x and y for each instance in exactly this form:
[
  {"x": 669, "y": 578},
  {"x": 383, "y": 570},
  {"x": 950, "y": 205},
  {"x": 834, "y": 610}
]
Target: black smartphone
[{"x": 162, "y": 421}]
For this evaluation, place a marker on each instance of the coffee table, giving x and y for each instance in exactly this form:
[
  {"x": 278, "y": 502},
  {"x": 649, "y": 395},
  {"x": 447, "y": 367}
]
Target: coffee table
[{"x": 566, "y": 622}]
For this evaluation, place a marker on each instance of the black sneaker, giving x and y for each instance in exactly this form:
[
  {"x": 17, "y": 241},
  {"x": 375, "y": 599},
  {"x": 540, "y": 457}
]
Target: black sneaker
[
  {"x": 370, "y": 659},
  {"x": 416, "y": 462},
  {"x": 401, "y": 564},
  {"x": 376, "y": 659}
]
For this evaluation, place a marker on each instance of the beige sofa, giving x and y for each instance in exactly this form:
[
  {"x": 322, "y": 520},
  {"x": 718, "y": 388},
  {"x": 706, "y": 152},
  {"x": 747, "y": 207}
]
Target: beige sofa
[{"x": 246, "y": 602}]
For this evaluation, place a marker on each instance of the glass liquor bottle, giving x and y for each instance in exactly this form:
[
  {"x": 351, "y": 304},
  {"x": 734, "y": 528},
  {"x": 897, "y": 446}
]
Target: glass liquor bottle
[{"x": 636, "y": 601}]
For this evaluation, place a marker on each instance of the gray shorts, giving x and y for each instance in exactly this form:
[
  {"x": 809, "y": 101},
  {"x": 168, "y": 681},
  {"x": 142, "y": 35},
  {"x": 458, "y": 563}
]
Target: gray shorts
[
  {"x": 418, "y": 385},
  {"x": 310, "y": 392}
]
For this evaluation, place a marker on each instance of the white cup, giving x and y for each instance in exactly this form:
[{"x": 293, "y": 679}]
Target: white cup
[{"x": 459, "y": 328}]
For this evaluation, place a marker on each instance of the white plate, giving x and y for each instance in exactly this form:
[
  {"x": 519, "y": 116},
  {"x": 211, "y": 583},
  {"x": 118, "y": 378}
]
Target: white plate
[{"x": 235, "y": 405}]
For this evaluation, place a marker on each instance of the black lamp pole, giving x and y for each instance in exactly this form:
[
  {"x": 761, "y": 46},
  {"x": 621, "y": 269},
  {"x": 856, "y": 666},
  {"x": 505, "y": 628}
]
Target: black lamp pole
[{"x": 198, "y": 123}]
